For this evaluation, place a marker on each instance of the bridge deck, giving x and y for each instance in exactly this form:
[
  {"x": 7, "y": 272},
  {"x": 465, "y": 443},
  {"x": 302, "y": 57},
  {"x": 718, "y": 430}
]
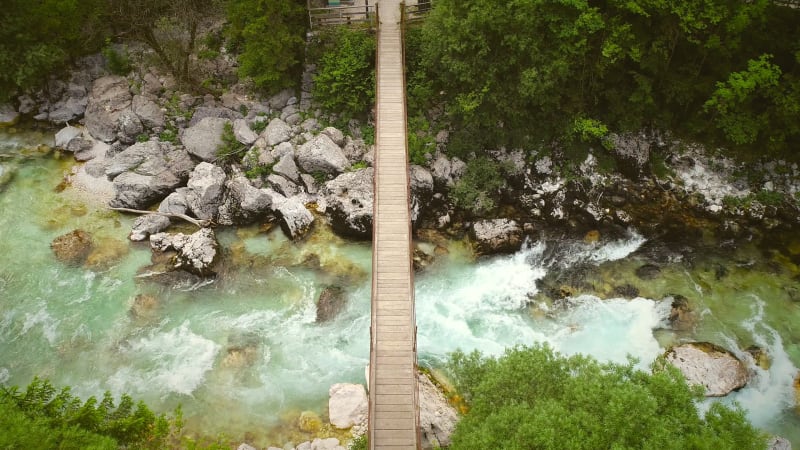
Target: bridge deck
[{"x": 393, "y": 413}]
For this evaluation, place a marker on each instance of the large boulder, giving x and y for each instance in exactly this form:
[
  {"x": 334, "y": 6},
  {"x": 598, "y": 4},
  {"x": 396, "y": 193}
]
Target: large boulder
[
  {"x": 148, "y": 112},
  {"x": 206, "y": 187},
  {"x": 195, "y": 253},
  {"x": 447, "y": 171},
  {"x": 147, "y": 172},
  {"x": 204, "y": 112},
  {"x": 437, "y": 419},
  {"x": 347, "y": 405},
  {"x": 243, "y": 133},
  {"x": 283, "y": 185},
  {"x": 147, "y": 225},
  {"x": 72, "y": 248},
  {"x": 243, "y": 203},
  {"x": 709, "y": 365},
  {"x": 287, "y": 167},
  {"x": 421, "y": 181},
  {"x": 632, "y": 152},
  {"x": 129, "y": 127},
  {"x": 67, "y": 135},
  {"x": 203, "y": 139},
  {"x": 497, "y": 236},
  {"x": 8, "y": 115},
  {"x": 349, "y": 198},
  {"x": 321, "y": 154},
  {"x": 110, "y": 96},
  {"x": 277, "y": 131},
  {"x": 296, "y": 219}
]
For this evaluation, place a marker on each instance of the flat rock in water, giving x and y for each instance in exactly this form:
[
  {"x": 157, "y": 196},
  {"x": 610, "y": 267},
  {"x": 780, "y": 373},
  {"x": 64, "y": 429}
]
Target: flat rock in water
[{"x": 709, "y": 365}]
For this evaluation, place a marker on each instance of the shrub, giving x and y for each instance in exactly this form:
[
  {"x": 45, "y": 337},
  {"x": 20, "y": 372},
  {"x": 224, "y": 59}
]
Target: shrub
[
  {"x": 230, "y": 147},
  {"x": 118, "y": 62},
  {"x": 477, "y": 189},
  {"x": 345, "y": 81},
  {"x": 533, "y": 397},
  {"x": 44, "y": 417}
]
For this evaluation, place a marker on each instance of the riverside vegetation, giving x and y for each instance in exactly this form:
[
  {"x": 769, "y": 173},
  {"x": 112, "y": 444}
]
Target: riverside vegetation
[{"x": 561, "y": 79}]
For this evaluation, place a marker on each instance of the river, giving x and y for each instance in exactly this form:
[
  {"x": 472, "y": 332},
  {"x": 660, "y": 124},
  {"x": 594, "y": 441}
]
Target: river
[{"x": 244, "y": 355}]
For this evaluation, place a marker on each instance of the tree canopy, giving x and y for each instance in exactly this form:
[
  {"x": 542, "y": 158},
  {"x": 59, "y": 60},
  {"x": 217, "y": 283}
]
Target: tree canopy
[
  {"x": 537, "y": 68},
  {"x": 535, "y": 398}
]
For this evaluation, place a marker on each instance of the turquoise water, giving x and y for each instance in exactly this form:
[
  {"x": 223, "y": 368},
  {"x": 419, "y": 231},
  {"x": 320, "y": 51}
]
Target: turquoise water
[{"x": 244, "y": 356}]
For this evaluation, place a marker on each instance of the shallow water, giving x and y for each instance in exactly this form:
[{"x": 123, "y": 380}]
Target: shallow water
[{"x": 244, "y": 356}]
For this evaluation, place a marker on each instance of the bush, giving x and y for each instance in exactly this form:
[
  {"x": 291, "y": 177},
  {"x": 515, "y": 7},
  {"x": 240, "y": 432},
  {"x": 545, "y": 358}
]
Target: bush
[
  {"x": 477, "y": 190},
  {"x": 118, "y": 63},
  {"x": 345, "y": 81},
  {"x": 533, "y": 397},
  {"x": 270, "y": 36},
  {"x": 44, "y": 417},
  {"x": 230, "y": 147}
]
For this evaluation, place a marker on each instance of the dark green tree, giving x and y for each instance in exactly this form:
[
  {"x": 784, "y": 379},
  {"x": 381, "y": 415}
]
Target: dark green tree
[
  {"x": 38, "y": 38},
  {"x": 534, "y": 398},
  {"x": 345, "y": 81},
  {"x": 269, "y": 36}
]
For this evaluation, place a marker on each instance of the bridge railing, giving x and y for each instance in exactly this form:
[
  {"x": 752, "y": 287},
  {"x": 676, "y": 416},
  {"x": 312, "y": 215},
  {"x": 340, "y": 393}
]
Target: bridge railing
[
  {"x": 416, "y": 11},
  {"x": 341, "y": 15}
]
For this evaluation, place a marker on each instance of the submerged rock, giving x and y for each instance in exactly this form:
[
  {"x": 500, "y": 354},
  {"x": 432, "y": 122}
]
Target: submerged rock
[
  {"x": 347, "y": 404},
  {"x": 330, "y": 303},
  {"x": 497, "y": 236},
  {"x": 648, "y": 272},
  {"x": 709, "y": 365},
  {"x": 681, "y": 316},
  {"x": 144, "y": 306},
  {"x": 73, "y": 248}
]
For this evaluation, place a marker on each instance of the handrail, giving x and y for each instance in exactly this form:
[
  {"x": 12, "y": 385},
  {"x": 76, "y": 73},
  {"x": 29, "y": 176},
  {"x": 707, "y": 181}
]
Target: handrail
[
  {"x": 340, "y": 15},
  {"x": 373, "y": 377},
  {"x": 403, "y": 22}
]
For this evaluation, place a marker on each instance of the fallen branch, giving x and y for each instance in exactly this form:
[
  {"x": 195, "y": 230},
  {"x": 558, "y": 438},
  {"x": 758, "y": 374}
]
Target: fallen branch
[{"x": 199, "y": 223}]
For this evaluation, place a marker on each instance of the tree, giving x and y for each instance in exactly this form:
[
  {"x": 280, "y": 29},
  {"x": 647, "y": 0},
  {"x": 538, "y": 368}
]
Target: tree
[
  {"x": 169, "y": 27},
  {"x": 37, "y": 38},
  {"x": 345, "y": 81},
  {"x": 535, "y": 398},
  {"x": 270, "y": 38},
  {"x": 44, "y": 417}
]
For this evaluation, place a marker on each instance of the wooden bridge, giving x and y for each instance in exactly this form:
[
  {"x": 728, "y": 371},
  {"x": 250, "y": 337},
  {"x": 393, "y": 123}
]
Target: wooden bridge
[{"x": 393, "y": 394}]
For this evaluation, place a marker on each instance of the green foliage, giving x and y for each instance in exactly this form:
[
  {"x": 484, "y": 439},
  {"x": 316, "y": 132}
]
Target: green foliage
[
  {"x": 169, "y": 135},
  {"x": 143, "y": 137},
  {"x": 358, "y": 166},
  {"x": 269, "y": 36},
  {"x": 758, "y": 104},
  {"x": 259, "y": 126},
  {"x": 420, "y": 140},
  {"x": 345, "y": 81},
  {"x": 230, "y": 148},
  {"x": 535, "y": 398},
  {"x": 359, "y": 443},
  {"x": 44, "y": 417},
  {"x": 118, "y": 63},
  {"x": 319, "y": 176},
  {"x": 539, "y": 70},
  {"x": 477, "y": 190},
  {"x": 368, "y": 134},
  {"x": 38, "y": 38}
]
